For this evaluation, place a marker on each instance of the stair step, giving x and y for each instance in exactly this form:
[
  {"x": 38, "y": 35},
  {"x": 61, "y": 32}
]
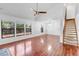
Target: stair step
[
  {"x": 69, "y": 26},
  {"x": 70, "y": 36},
  {"x": 75, "y": 44},
  {"x": 71, "y": 39},
  {"x": 70, "y": 31},
  {"x": 70, "y": 22}
]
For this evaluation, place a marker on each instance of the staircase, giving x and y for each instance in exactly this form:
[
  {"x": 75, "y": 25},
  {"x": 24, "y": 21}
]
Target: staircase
[{"x": 70, "y": 32}]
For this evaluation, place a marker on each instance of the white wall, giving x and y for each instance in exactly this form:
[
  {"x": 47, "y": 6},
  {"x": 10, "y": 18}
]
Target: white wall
[
  {"x": 15, "y": 19},
  {"x": 50, "y": 26},
  {"x": 71, "y": 10},
  {"x": 54, "y": 18},
  {"x": 53, "y": 27},
  {"x": 36, "y": 28}
]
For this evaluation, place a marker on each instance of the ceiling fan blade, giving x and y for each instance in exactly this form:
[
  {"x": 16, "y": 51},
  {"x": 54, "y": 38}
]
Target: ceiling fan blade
[{"x": 33, "y": 9}]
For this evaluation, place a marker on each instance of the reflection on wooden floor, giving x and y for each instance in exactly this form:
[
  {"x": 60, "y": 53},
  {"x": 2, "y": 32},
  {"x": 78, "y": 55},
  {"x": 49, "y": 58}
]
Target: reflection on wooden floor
[
  {"x": 45, "y": 45},
  {"x": 70, "y": 50}
]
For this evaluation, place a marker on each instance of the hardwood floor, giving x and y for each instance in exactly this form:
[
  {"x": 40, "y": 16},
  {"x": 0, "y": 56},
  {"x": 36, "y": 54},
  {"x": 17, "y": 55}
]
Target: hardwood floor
[
  {"x": 70, "y": 50},
  {"x": 45, "y": 45}
]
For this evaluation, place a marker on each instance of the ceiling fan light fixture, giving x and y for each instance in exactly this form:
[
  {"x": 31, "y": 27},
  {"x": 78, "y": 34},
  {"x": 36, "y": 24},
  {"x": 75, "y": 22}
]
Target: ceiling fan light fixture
[{"x": 42, "y": 12}]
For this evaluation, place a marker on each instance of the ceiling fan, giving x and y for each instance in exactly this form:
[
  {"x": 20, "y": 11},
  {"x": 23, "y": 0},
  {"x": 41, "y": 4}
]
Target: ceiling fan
[{"x": 38, "y": 12}]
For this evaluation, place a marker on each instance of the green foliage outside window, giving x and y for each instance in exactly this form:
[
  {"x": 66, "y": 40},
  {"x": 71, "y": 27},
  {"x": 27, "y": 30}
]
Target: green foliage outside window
[
  {"x": 28, "y": 28},
  {"x": 7, "y": 28},
  {"x": 19, "y": 28}
]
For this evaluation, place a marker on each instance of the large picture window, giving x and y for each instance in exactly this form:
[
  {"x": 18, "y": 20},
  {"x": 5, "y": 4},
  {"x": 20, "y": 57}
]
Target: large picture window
[
  {"x": 7, "y": 29},
  {"x": 19, "y": 29},
  {"x": 28, "y": 29}
]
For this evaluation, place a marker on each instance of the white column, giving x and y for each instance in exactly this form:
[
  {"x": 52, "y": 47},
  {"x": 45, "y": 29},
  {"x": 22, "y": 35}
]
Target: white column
[
  {"x": 25, "y": 29},
  {"x": 0, "y": 28},
  {"x": 15, "y": 29}
]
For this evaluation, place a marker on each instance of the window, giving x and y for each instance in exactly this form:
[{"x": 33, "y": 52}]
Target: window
[
  {"x": 7, "y": 29},
  {"x": 19, "y": 29},
  {"x": 28, "y": 29}
]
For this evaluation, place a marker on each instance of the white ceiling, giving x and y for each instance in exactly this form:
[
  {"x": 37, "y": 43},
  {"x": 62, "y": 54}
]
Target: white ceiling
[
  {"x": 24, "y": 10},
  {"x": 21, "y": 10}
]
